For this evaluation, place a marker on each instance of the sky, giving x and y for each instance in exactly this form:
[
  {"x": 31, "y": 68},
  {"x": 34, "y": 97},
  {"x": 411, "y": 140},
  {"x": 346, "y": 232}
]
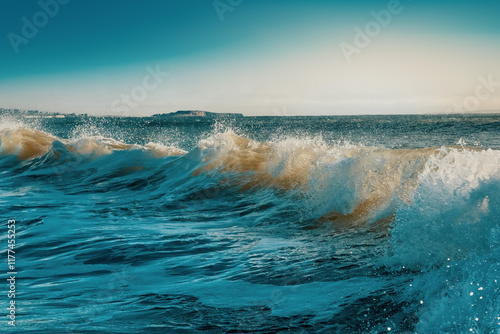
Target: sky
[{"x": 256, "y": 57}]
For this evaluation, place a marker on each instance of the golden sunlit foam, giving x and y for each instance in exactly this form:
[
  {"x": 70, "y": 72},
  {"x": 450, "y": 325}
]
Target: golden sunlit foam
[
  {"x": 25, "y": 143},
  {"x": 28, "y": 144},
  {"x": 380, "y": 175}
]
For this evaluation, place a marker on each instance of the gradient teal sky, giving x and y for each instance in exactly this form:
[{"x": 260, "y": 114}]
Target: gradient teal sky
[{"x": 265, "y": 58}]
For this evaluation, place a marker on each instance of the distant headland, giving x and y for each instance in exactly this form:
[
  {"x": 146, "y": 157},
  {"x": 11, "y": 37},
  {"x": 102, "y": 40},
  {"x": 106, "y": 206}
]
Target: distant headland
[{"x": 197, "y": 113}]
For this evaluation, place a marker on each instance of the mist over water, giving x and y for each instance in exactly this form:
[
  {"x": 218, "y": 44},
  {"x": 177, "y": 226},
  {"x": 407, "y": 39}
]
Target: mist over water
[{"x": 355, "y": 224}]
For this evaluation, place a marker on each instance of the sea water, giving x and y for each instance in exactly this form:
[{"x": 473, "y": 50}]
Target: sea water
[{"x": 352, "y": 224}]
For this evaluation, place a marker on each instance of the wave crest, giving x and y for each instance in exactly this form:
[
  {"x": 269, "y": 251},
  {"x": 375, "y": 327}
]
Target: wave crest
[{"x": 26, "y": 144}]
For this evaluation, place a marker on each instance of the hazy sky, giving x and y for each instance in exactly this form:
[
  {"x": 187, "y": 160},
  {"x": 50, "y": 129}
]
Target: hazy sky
[{"x": 257, "y": 57}]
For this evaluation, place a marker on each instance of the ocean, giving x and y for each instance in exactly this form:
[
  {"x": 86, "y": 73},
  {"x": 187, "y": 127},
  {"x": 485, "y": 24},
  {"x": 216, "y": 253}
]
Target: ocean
[{"x": 334, "y": 224}]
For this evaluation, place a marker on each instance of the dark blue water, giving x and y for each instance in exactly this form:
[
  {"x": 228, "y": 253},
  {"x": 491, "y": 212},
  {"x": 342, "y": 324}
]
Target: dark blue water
[{"x": 362, "y": 224}]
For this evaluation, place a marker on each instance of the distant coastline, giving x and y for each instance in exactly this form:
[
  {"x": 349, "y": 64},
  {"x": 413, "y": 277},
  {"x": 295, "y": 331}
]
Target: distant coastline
[
  {"x": 38, "y": 114},
  {"x": 197, "y": 113},
  {"x": 180, "y": 113}
]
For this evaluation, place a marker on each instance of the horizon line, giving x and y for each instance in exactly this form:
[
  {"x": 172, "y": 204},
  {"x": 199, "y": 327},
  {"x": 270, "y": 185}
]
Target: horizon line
[{"x": 480, "y": 112}]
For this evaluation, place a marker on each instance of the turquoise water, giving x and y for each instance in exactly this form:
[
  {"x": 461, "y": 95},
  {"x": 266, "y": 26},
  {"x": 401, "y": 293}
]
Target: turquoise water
[{"x": 359, "y": 224}]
